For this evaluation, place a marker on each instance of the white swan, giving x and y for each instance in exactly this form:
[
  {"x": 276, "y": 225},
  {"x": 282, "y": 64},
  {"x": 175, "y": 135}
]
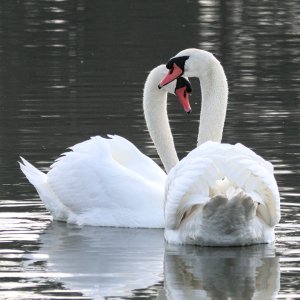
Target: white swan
[
  {"x": 109, "y": 182},
  {"x": 220, "y": 194}
]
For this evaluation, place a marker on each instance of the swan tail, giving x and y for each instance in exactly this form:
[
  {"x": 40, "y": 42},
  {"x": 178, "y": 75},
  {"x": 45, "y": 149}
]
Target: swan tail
[
  {"x": 238, "y": 208},
  {"x": 39, "y": 180},
  {"x": 34, "y": 176}
]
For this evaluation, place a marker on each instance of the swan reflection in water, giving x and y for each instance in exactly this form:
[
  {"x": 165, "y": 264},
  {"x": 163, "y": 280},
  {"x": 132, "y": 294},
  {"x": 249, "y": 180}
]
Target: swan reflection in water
[
  {"x": 193, "y": 272},
  {"x": 107, "y": 262},
  {"x": 100, "y": 261}
]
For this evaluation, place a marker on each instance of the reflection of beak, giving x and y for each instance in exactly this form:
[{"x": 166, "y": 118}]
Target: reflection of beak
[
  {"x": 172, "y": 75},
  {"x": 184, "y": 99}
]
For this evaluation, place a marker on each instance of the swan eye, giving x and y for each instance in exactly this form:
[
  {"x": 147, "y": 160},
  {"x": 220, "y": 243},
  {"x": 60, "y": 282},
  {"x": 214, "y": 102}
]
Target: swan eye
[{"x": 171, "y": 70}]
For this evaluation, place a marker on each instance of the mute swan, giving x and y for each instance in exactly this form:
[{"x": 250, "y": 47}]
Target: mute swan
[
  {"x": 219, "y": 194},
  {"x": 109, "y": 182}
]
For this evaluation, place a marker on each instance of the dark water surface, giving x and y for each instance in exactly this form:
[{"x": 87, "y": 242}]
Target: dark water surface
[{"x": 71, "y": 69}]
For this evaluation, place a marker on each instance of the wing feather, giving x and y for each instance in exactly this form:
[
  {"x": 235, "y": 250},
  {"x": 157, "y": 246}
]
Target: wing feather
[
  {"x": 92, "y": 175},
  {"x": 190, "y": 180},
  {"x": 188, "y": 185},
  {"x": 250, "y": 172}
]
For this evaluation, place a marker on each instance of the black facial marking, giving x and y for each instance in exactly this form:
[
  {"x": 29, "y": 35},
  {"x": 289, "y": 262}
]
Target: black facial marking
[
  {"x": 182, "y": 82},
  {"x": 179, "y": 61}
]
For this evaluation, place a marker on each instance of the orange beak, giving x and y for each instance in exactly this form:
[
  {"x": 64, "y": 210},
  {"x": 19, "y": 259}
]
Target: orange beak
[
  {"x": 183, "y": 97},
  {"x": 174, "y": 73}
]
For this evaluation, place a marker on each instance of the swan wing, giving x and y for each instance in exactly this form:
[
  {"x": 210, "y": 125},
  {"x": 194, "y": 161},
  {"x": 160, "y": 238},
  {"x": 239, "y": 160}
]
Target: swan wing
[
  {"x": 130, "y": 156},
  {"x": 76, "y": 177},
  {"x": 241, "y": 149},
  {"x": 191, "y": 180},
  {"x": 120, "y": 150},
  {"x": 246, "y": 170},
  {"x": 188, "y": 185},
  {"x": 91, "y": 177},
  {"x": 39, "y": 180},
  {"x": 250, "y": 172}
]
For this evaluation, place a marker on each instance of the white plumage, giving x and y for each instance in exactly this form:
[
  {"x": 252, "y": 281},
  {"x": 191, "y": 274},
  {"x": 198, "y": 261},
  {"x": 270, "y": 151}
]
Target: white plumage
[
  {"x": 219, "y": 194},
  {"x": 102, "y": 181},
  {"x": 108, "y": 181}
]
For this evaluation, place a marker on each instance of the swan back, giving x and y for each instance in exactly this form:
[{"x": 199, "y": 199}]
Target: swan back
[
  {"x": 222, "y": 180},
  {"x": 108, "y": 182},
  {"x": 128, "y": 155}
]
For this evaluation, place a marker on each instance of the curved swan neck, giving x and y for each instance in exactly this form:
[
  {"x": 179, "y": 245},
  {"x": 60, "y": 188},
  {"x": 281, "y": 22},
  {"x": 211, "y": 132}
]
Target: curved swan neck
[
  {"x": 214, "y": 91},
  {"x": 155, "y": 112}
]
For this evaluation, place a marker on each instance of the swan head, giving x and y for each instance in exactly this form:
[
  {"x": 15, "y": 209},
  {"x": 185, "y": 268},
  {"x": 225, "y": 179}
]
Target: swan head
[
  {"x": 182, "y": 90},
  {"x": 189, "y": 62},
  {"x": 181, "y": 87}
]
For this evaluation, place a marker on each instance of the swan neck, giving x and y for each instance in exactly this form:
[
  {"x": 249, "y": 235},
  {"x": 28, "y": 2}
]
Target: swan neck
[
  {"x": 155, "y": 112},
  {"x": 214, "y": 90}
]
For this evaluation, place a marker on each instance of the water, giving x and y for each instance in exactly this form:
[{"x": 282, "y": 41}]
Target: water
[{"x": 74, "y": 69}]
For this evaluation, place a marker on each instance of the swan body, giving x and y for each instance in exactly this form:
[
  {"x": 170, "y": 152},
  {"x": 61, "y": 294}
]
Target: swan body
[
  {"x": 104, "y": 182},
  {"x": 108, "y": 181},
  {"x": 219, "y": 194}
]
